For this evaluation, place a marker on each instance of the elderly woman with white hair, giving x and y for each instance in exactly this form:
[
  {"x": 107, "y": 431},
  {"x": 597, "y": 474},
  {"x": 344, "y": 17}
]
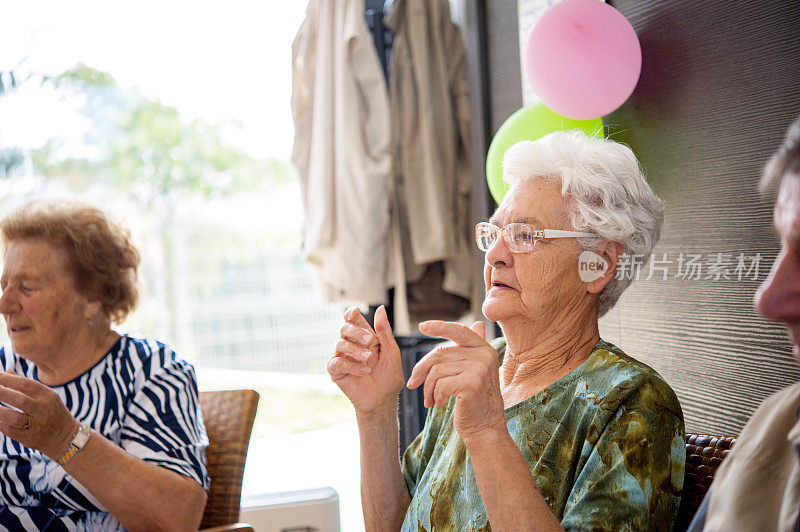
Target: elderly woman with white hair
[{"x": 549, "y": 427}]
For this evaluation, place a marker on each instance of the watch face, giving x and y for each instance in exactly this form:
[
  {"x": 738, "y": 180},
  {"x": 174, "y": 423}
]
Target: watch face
[{"x": 81, "y": 438}]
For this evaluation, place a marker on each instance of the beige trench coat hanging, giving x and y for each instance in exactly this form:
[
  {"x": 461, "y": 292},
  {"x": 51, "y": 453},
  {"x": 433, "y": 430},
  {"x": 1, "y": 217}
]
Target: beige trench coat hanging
[
  {"x": 431, "y": 170},
  {"x": 341, "y": 150}
]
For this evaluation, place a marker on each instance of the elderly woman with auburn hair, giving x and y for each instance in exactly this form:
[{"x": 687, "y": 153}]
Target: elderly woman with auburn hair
[
  {"x": 548, "y": 427},
  {"x": 100, "y": 431}
]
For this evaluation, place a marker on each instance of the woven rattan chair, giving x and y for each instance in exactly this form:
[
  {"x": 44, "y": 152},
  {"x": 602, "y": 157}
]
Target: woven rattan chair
[
  {"x": 704, "y": 454},
  {"x": 229, "y": 417}
]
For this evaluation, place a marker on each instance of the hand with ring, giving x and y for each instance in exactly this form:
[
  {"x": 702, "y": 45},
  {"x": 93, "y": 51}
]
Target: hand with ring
[{"x": 33, "y": 414}]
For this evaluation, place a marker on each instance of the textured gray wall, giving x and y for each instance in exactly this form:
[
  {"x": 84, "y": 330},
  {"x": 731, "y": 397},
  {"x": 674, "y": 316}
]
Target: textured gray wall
[{"x": 505, "y": 89}]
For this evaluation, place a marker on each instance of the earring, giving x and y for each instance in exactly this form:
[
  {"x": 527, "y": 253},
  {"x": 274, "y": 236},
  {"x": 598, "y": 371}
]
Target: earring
[{"x": 91, "y": 322}]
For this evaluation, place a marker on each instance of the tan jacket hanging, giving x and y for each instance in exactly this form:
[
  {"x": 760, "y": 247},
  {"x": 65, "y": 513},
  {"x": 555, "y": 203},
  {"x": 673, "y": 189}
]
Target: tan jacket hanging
[
  {"x": 431, "y": 171},
  {"x": 341, "y": 111}
]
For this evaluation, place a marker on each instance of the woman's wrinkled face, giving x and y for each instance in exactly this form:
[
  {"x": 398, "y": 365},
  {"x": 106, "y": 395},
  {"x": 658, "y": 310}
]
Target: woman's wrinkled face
[
  {"x": 40, "y": 304},
  {"x": 542, "y": 284}
]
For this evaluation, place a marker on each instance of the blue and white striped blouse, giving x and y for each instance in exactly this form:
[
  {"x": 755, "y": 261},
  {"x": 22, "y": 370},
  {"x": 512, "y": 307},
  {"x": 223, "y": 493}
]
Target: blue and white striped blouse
[{"x": 142, "y": 397}]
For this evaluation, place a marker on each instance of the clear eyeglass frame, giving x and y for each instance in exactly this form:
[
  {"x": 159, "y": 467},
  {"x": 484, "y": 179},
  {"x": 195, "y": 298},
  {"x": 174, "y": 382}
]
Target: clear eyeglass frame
[{"x": 519, "y": 237}]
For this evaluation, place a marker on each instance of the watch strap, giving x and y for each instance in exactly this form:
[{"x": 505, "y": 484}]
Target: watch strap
[{"x": 76, "y": 445}]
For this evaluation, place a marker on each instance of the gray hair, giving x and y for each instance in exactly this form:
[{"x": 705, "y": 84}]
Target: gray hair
[
  {"x": 784, "y": 161},
  {"x": 605, "y": 188}
]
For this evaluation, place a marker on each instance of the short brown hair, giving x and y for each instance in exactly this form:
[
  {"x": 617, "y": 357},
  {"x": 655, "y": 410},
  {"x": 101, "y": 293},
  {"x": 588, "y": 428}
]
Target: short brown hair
[
  {"x": 784, "y": 161},
  {"x": 101, "y": 254}
]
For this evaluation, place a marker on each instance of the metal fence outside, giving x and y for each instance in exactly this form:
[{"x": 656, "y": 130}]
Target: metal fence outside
[{"x": 259, "y": 313}]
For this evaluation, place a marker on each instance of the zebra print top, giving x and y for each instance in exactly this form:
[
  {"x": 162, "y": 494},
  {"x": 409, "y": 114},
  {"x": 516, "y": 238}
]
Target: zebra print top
[{"x": 142, "y": 397}]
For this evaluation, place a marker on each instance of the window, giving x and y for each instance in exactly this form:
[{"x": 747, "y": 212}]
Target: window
[{"x": 176, "y": 118}]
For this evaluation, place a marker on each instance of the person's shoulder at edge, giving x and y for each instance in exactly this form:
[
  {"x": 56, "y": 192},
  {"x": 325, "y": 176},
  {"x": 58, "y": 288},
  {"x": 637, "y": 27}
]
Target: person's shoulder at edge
[
  {"x": 787, "y": 397},
  {"x": 780, "y": 409}
]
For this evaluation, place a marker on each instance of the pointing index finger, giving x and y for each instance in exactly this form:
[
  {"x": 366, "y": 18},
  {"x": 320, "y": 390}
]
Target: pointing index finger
[{"x": 458, "y": 333}]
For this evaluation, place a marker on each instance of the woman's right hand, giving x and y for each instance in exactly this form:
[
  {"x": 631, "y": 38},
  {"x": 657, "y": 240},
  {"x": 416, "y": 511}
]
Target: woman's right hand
[
  {"x": 366, "y": 365},
  {"x": 37, "y": 418}
]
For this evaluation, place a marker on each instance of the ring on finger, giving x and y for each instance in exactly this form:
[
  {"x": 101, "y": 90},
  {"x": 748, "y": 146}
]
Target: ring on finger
[{"x": 27, "y": 424}]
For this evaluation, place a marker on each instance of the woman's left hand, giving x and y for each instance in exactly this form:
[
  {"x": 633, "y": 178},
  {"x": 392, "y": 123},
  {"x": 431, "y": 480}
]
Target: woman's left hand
[
  {"x": 40, "y": 421},
  {"x": 467, "y": 370}
]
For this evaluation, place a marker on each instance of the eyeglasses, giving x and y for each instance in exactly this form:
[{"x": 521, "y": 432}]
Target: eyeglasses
[{"x": 519, "y": 237}]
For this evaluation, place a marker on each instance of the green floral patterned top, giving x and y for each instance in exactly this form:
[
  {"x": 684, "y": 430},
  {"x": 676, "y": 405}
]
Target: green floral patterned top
[{"x": 605, "y": 444}]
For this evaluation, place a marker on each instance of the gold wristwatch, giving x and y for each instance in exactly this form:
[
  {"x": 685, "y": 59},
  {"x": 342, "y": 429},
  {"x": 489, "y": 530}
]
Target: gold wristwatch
[{"x": 76, "y": 445}]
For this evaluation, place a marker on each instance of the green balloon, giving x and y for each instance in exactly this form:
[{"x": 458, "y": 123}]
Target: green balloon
[{"x": 529, "y": 123}]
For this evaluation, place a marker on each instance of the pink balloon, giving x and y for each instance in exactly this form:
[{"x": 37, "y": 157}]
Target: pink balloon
[{"x": 583, "y": 59}]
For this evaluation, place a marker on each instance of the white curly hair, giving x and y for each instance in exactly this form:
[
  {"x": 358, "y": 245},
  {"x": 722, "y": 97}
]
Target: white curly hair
[{"x": 605, "y": 188}]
